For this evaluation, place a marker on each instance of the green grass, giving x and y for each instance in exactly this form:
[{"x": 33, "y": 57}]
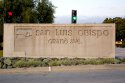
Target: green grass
[{"x": 1, "y": 53}]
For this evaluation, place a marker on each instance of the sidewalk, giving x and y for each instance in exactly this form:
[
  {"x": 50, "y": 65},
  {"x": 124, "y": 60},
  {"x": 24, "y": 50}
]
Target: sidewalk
[{"x": 63, "y": 69}]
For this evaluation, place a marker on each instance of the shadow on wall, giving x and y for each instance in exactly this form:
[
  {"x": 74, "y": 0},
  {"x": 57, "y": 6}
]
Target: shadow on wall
[{"x": 1, "y": 40}]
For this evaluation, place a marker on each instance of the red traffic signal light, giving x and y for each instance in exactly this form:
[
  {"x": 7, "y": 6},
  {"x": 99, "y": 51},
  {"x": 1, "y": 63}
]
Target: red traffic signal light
[
  {"x": 8, "y": 17},
  {"x": 10, "y": 13}
]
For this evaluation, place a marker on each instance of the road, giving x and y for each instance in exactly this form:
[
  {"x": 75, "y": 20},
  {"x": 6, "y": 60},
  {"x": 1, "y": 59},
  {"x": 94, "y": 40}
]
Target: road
[
  {"x": 100, "y": 76},
  {"x": 89, "y": 76},
  {"x": 120, "y": 52}
]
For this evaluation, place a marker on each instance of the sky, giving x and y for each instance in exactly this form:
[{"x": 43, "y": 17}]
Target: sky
[
  {"x": 90, "y": 7},
  {"x": 88, "y": 10}
]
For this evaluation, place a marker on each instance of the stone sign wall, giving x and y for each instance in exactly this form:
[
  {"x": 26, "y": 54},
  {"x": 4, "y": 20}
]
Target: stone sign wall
[{"x": 59, "y": 41}]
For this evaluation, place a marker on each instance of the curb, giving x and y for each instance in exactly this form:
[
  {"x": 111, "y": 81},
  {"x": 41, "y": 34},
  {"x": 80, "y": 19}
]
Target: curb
[{"x": 63, "y": 69}]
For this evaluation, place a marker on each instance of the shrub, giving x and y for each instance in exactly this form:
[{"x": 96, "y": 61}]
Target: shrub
[
  {"x": 99, "y": 61},
  {"x": 44, "y": 62},
  {"x": 4, "y": 66},
  {"x": 117, "y": 61},
  {"x": 122, "y": 60},
  {"x": 7, "y": 61},
  {"x": 1, "y": 59},
  {"x": 34, "y": 63},
  {"x": 55, "y": 63},
  {"x": 21, "y": 63},
  {"x": 0, "y": 64},
  {"x": 75, "y": 62},
  {"x": 9, "y": 67},
  {"x": 123, "y": 44},
  {"x": 108, "y": 61},
  {"x": 66, "y": 62}
]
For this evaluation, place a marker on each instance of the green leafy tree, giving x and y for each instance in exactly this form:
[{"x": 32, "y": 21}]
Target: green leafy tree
[
  {"x": 45, "y": 12},
  {"x": 108, "y": 20},
  {"x": 1, "y": 21},
  {"x": 120, "y": 26},
  {"x": 27, "y": 11},
  {"x": 23, "y": 11}
]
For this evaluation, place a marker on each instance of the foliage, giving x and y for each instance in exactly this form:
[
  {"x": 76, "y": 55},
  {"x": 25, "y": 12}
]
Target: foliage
[
  {"x": 30, "y": 11},
  {"x": 45, "y": 62},
  {"x": 4, "y": 66},
  {"x": 34, "y": 63},
  {"x": 1, "y": 45},
  {"x": 26, "y": 11},
  {"x": 123, "y": 44},
  {"x": 7, "y": 61},
  {"x": 45, "y": 11},
  {"x": 55, "y": 63},
  {"x": 1, "y": 21},
  {"x": 122, "y": 60},
  {"x": 1, "y": 53},
  {"x": 21, "y": 9},
  {"x": 21, "y": 63},
  {"x": 120, "y": 26},
  {"x": 0, "y": 64},
  {"x": 29, "y": 63},
  {"x": 108, "y": 61}
]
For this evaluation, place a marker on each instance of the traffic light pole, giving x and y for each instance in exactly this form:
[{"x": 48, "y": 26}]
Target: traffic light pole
[{"x": 74, "y": 17}]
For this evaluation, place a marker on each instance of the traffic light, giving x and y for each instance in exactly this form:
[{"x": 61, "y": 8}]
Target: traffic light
[
  {"x": 8, "y": 11},
  {"x": 9, "y": 15},
  {"x": 74, "y": 16}
]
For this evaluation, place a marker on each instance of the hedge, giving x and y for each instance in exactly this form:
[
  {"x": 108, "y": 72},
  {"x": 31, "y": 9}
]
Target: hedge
[{"x": 7, "y": 63}]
